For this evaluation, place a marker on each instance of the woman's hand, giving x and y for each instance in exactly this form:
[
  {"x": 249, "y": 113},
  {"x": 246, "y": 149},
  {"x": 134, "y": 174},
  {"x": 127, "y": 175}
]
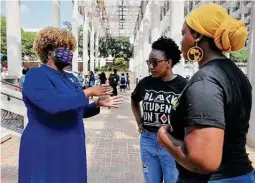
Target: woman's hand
[
  {"x": 140, "y": 128},
  {"x": 107, "y": 101},
  {"x": 98, "y": 91}
]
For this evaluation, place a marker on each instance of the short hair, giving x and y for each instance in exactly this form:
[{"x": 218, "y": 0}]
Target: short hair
[
  {"x": 169, "y": 48},
  {"x": 51, "y": 38}
]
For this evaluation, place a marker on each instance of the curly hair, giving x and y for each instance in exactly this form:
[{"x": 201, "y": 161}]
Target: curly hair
[
  {"x": 169, "y": 48},
  {"x": 51, "y": 38}
]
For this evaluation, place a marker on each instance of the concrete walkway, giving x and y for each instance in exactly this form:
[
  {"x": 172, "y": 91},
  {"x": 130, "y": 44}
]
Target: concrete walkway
[{"x": 112, "y": 149}]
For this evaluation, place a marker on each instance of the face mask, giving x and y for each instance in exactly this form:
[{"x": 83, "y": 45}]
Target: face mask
[{"x": 63, "y": 57}]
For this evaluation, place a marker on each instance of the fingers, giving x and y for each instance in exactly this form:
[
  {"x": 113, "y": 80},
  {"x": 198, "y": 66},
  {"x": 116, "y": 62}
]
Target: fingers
[
  {"x": 107, "y": 90},
  {"x": 116, "y": 101}
]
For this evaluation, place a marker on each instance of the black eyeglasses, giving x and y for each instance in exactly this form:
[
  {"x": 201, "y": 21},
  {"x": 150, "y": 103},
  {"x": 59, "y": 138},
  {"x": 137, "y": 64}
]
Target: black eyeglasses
[{"x": 154, "y": 62}]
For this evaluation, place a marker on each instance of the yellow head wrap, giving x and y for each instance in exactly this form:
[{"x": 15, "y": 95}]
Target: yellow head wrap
[{"x": 213, "y": 21}]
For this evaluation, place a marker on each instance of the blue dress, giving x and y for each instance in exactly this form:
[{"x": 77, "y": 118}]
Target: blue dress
[{"x": 52, "y": 147}]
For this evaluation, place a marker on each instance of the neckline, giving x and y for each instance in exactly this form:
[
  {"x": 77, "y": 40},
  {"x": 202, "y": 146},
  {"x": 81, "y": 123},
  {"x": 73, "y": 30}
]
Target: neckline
[
  {"x": 169, "y": 81},
  {"x": 52, "y": 70},
  {"x": 213, "y": 60}
]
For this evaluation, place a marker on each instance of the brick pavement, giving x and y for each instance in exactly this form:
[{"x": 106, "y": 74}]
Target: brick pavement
[{"x": 112, "y": 149}]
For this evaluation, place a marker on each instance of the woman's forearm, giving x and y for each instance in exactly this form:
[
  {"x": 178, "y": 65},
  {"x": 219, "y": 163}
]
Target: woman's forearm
[{"x": 136, "y": 111}]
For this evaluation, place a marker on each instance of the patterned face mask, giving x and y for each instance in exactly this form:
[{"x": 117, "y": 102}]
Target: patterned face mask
[{"x": 63, "y": 56}]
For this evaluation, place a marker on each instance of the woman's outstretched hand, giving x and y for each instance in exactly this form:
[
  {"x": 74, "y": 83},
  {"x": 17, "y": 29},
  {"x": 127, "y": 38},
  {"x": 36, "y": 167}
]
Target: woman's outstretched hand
[
  {"x": 98, "y": 90},
  {"x": 107, "y": 101}
]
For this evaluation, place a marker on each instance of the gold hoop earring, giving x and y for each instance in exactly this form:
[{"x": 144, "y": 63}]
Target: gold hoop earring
[{"x": 195, "y": 53}]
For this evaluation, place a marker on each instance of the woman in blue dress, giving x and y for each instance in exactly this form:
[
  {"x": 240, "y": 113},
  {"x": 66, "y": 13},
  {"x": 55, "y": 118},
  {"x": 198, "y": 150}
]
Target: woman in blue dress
[{"x": 52, "y": 148}]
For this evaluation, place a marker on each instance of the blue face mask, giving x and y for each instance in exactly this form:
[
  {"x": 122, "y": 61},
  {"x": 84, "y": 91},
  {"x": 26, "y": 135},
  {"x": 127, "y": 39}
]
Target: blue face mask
[{"x": 63, "y": 57}]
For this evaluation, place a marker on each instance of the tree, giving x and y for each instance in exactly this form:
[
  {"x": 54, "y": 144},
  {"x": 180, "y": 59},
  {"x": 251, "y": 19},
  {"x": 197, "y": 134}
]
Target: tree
[
  {"x": 117, "y": 47},
  {"x": 27, "y": 44},
  {"x": 119, "y": 63},
  {"x": 68, "y": 25},
  {"x": 3, "y": 38},
  {"x": 27, "y": 39},
  {"x": 239, "y": 56}
]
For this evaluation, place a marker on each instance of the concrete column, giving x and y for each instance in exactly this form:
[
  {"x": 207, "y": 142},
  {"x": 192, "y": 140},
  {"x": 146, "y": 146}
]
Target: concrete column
[
  {"x": 251, "y": 75},
  {"x": 96, "y": 49},
  {"x": 176, "y": 23},
  {"x": 135, "y": 57},
  {"x": 75, "y": 28},
  {"x": 146, "y": 47},
  {"x": 155, "y": 20},
  {"x": 85, "y": 44},
  {"x": 13, "y": 34},
  {"x": 56, "y": 13},
  {"x": 141, "y": 56},
  {"x": 92, "y": 57}
]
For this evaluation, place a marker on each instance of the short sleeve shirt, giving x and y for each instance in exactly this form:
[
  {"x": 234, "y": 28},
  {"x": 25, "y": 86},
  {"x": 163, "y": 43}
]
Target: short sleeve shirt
[{"x": 218, "y": 95}]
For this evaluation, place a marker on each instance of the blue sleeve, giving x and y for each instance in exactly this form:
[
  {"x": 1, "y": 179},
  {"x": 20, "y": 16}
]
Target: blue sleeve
[
  {"x": 38, "y": 89},
  {"x": 91, "y": 110}
]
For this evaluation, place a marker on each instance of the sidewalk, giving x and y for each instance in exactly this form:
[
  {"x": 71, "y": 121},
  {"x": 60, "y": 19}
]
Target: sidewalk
[{"x": 112, "y": 149}]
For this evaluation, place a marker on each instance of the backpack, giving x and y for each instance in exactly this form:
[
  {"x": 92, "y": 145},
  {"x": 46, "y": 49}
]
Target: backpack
[{"x": 123, "y": 80}]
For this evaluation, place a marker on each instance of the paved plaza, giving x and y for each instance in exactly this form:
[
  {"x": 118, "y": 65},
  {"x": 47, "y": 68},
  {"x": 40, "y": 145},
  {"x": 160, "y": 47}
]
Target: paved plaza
[{"x": 112, "y": 149}]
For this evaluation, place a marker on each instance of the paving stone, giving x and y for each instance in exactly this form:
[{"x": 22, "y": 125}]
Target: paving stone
[{"x": 112, "y": 143}]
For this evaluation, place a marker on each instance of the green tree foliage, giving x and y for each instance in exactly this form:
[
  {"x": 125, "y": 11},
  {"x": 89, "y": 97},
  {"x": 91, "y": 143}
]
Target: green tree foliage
[
  {"x": 239, "y": 56},
  {"x": 3, "y": 38},
  {"x": 117, "y": 47},
  {"x": 27, "y": 40},
  {"x": 27, "y": 44},
  {"x": 119, "y": 63}
]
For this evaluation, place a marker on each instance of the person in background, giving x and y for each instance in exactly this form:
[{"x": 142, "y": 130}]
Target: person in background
[
  {"x": 52, "y": 146},
  {"x": 128, "y": 81},
  {"x": 114, "y": 82},
  {"x": 22, "y": 78},
  {"x": 156, "y": 93},
  {"x": 81, "y": 80},
  {"x": 97, "y": 79},
  {"x": 123, "y": 83},
  {"x": 91, "y": 79},
  {"x": 103, "y": 78},
  {"x": 86, "y": 81},
  {"x": 209, "y": 127}
]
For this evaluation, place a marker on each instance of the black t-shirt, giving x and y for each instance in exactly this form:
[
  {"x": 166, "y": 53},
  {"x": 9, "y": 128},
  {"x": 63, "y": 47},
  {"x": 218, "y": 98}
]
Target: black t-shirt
[
  {"x": 218, "y": 95},
  {"x": 114, "y": 79},
  {"x": 157, "y": 98}
]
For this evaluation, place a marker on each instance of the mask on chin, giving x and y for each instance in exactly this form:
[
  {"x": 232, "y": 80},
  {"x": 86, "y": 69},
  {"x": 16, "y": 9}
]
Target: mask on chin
[{"x": 62, "y": 58}]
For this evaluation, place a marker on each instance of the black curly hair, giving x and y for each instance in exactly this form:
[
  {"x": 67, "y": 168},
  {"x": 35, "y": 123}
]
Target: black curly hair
[{"x": 169, "y": 48}]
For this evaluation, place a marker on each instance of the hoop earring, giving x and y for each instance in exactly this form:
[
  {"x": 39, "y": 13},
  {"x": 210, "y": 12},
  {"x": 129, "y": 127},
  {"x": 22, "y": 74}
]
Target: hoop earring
[{"x": 195, "y": 53}]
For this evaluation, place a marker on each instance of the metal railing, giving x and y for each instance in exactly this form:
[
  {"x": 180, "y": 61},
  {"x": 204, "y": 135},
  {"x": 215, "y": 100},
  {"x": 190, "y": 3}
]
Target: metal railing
[
  {"x": 9, "y": 96},
  {"x": 10, "y": 84},
  {"x": 10, "y": 120}
]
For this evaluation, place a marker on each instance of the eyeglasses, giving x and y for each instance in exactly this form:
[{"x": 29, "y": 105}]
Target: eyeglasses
[{"x": 154, "y": 62}]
